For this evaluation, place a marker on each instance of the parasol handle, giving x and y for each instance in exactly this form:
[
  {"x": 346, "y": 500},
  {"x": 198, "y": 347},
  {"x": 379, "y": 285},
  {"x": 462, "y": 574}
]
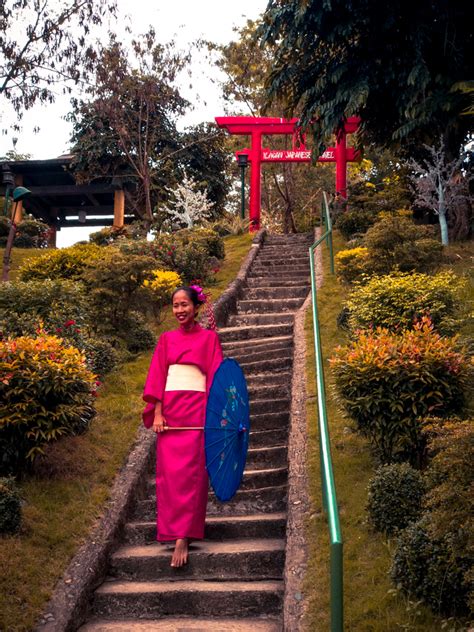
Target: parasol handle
[{"x": 183, "y": 427}]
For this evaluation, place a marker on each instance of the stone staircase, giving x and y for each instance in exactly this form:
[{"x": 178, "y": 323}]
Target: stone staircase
[{"x": 234, "y": 579}]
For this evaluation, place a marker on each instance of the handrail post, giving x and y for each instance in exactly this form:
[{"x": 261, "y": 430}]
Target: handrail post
[{"x": 327, "y": 474}]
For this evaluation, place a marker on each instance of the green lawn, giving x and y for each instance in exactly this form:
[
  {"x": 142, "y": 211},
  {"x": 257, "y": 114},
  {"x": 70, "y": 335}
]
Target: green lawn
[
  {"x": 66, "y": 496},
  {"x": 371, "y": 604}
]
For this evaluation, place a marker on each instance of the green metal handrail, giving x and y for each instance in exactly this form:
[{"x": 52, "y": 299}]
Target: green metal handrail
[{"x": 327, "y": 475}]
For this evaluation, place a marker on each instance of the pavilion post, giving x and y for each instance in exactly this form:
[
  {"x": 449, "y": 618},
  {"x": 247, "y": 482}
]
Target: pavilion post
[{"x": 119, "y": 208}]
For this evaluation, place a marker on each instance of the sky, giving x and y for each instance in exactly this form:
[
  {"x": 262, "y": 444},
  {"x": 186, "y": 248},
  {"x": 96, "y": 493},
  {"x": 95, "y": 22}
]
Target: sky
[{"x": 181, "y": 21}]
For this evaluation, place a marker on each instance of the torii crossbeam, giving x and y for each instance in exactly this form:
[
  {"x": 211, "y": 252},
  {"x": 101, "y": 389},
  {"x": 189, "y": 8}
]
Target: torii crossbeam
[{"x": 256, "y": 127}]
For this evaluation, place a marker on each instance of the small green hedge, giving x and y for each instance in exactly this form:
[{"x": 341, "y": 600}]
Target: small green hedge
[
  {"x": 398, "y": 300},
  {"x": 395, "y": 497},
  {"x": 64, "y": 263}
]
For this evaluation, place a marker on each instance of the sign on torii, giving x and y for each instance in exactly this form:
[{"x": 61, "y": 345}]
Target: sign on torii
[{"x": 256, "y": 127}]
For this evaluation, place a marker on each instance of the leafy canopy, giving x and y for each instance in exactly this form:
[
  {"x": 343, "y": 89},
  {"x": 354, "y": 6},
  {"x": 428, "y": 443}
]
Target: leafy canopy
[{"x": 398, "y": 65}]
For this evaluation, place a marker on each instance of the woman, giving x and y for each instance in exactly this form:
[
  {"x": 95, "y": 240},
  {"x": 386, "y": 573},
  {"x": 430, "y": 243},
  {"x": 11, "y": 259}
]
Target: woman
[{"x": 176, "y": 389}]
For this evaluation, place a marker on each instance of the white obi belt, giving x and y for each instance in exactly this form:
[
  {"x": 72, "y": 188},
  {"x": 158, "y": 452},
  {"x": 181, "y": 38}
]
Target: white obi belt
[{"x": 185, "y": 377}]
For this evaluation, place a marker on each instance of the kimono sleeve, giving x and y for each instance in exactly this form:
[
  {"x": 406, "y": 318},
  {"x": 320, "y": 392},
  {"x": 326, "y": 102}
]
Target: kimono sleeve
[
  {"x": 215, "y": 359},
  {"x": 155, "y": 381}
]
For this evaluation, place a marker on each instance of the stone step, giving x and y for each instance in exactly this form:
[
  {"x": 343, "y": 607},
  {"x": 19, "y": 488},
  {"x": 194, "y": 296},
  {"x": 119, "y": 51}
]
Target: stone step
[
  {"x": 281, "y": 262},
  {"x": 260, "y": 353},
  {"x": 276, "y": 364},
  {"x": 249, "y": 332},
  {"x": 248, "y": 559},
  {"x": 290, "y": 238},
  {"x": 199, "y": 598},
  {"x": 274, "y": 456},
  {"x": 274, "y": 391},
  {"x": 276, "y": 292},
  {"x": 263, "y": 379},
  {"x": 262, "y": 406},
  {"x": 281, "y": 276},
  {"x": 184, "y": 624},
  {"x": 217, "y": 528},
  {"x": 268, "y": 438},
  {"x": 269, "y": 305},
  {"x": 270, "y": 421},
  {"x": 255, "y": 320},
  {"x": 258, "y": 344},
  {"x": 266, "y": 282},
  {"x": 245, "y": 502}
]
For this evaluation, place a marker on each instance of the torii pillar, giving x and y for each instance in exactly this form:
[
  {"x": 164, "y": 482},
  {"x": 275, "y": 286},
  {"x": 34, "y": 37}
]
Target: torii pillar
[{"x": 256, "y": 127}]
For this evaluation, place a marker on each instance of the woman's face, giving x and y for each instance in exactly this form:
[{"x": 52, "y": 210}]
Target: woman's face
[{"x": 184, "y": 309}]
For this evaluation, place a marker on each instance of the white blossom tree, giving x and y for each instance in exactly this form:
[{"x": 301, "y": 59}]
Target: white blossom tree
[
  {"x": 440, "y": 184},
  {"x": 189, "y": 204}
]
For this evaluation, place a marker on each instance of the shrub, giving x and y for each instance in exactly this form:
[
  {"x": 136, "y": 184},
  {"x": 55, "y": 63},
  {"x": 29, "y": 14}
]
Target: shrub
[
  {"x": 46, "y": 391},
  {"x": 351, "y": 264},
  {"x": 109, "y": 234},
  {"x": 424, "y": 567},
  {"x": 58, "y": 306},
  {"x": 209, "y": 239},
  {"x": 399, "y": 299},
  {"x": 354, "y": 222},
  {"x": 388, "y": 381},
  {"x": 30, "y": 233},
  {"x": 101, "y": 356},
  {"x": 398, "y": 243},
  {"x": 138, "y": 337},
  {"x": 190, "y": 261},
  {"x": 115, "y": 288},
  {"x": 230, "y": 224},
  {"x": 66, "y": 263},
  {"x": 395, "y": 497},
  {"x": 10, "y": 507}
]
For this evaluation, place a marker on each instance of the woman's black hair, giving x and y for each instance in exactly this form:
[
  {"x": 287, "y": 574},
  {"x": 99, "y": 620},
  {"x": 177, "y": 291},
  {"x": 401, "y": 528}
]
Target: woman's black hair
[{"x": 191, "y": 294}]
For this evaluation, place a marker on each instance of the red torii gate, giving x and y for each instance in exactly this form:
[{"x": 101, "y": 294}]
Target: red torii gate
[{"x": 256, "y": 127}]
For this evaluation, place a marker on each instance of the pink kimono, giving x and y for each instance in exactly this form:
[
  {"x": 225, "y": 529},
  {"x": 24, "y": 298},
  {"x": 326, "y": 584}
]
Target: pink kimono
[{"x": 180, "y": 376}]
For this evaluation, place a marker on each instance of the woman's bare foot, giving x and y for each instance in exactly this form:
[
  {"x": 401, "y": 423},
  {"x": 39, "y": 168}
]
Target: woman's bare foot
[{"x": 180, "y": 553}]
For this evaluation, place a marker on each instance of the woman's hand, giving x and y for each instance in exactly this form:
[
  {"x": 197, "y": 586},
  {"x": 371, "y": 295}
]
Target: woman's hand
[{"x": 159, "y": 422}]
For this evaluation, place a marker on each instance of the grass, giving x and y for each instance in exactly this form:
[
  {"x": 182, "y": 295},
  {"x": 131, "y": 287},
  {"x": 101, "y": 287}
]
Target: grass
[
  {"x": 371, "y": 603},
  {"x": 19, "y": 256},
  {"x": 66, "y": 496}
]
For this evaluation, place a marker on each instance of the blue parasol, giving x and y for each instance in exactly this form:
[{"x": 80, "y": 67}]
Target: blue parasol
[{"x": 227, "y": 429}]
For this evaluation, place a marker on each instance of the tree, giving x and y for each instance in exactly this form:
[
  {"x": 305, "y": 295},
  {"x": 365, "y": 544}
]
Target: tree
[
  {"x": 127, "y": 130},
  {"x": 440, "y": 184},
  {"x": 394, "y": 64},
  {"x": 44, "y": 43},
  {"x": 190, "y": 205},
  {"x": 204, "y": 157}
]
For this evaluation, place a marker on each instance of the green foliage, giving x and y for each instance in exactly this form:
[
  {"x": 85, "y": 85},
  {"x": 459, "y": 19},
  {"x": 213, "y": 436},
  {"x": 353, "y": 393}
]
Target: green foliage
[
  {"x": 58, "y": 306},
  {"x": 191, "y": 262},
  {"x": 115, "y": 288},
  {"x": 397, "y": 300},
  {"x": 395, "y": 497},
  {"x": 231, "y": 224},
  {"x": 30, "y": 233},
  {"x": 354, "y": 222},
  {"x": 398, "y": 243},
  {"x": 209, "y": 239},
  {"x": 424, "y": 567},
  {"x": 388, "y": 381},
  {"x": 101, "y": 356},
  {"x": 10, "y": 507},
  {"x": 331, "y": 61},
  {"x": 351, "y": 265},
  {"x": 65, "y": 263},
  {"x": 111, "y": 234},
  {"x": 46, "y": 391},
  {"x": 137, "y": 335}
]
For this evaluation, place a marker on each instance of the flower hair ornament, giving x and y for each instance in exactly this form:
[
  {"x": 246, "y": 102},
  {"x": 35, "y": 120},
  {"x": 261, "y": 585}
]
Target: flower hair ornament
[{"x": 205, "y": 299}]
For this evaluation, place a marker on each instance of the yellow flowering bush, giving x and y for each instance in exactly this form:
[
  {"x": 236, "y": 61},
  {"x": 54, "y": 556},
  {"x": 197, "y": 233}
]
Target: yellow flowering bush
[
  {"x": 63, "y": 263},
  {"x": 161, "y": 285},
  {"x": 351, "y": 264},
  {"x": 46, "y": 391}
]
